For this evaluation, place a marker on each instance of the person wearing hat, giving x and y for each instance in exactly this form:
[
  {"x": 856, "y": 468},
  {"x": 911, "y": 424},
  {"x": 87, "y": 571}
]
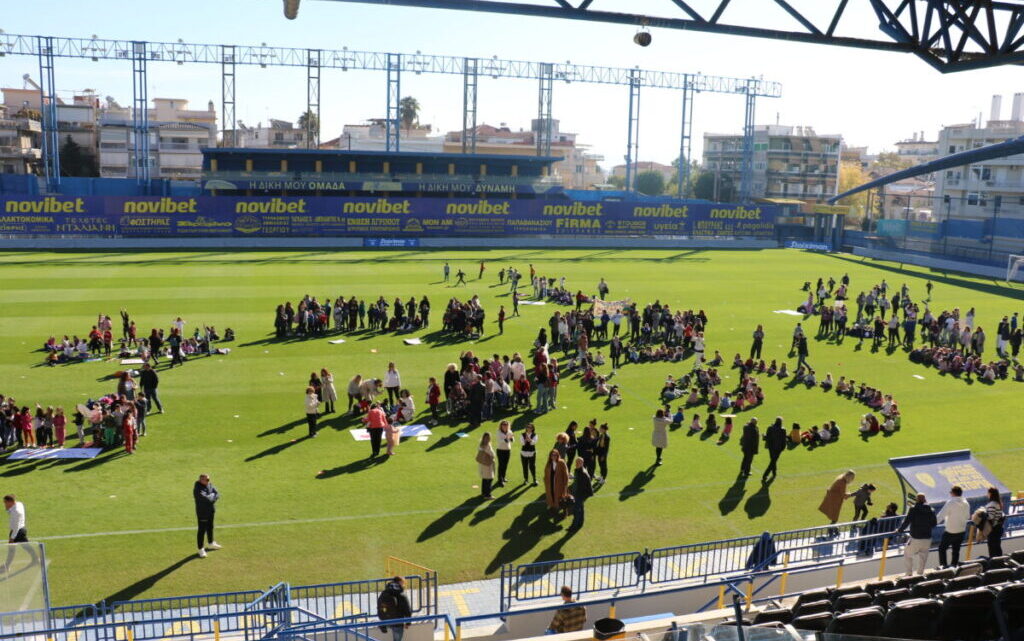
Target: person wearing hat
[{"x": 861, "y": 501}]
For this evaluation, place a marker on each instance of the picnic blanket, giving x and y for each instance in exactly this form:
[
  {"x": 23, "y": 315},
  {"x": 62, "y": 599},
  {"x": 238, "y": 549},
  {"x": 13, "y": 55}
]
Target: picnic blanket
[
  {"x": 408, "y": 431},
  {"x": 43, "y": 453},
  {"x": 338, "y": 341}
]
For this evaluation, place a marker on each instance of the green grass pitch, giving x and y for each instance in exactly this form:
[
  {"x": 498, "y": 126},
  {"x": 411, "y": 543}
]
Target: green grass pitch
[{"x": 311, "y": 510}]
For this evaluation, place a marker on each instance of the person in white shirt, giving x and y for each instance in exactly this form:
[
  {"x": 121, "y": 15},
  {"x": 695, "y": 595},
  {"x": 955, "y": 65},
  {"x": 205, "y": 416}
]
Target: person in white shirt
[
  {"x": 16, "y": 529},
  {"x": 503, "y": 440},
  {"x": 954, "y": 516},
  {"x": 528, "y": 453},
  {"x": 392, "y": 383},
  {"x": 179, "y": 325}
]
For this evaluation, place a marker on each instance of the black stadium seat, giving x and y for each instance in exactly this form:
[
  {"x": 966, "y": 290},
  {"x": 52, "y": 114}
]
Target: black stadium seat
[
  {"x": 1011, "y": 600},
  {"x": 885, "y": 598},
  {"x": 853, "y": 601},
  {"x": 1001, "y": 575},
  {"x": 834, "y": 594},
  {"x": 928, "y": 589},
  {"x": 912, "y": 619},
  {"x": 782, "y": 615},
  {"x": 969, "y": 569},
  {"x": 1018, "y": 557},
  {"x": 810, "y": 596},
  {"x": 968, "y": 616},
  {"x": 963, "y": 583},
  {"x": 908, "y": 581},
  {"x": 812, "y": 608},
  {"x": 815, "y": 622},
  {"x": 865, "y": 622},
  {"x": 996, "y": 562},
  {"x": 944, "y": 574},
  {"x": 874, "y": 587}
]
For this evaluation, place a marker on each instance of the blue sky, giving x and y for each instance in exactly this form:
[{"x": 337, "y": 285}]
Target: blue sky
[{"x": 871, "y": 98}]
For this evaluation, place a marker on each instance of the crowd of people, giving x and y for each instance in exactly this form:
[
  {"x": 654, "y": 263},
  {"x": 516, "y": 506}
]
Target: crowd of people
[{"x": 311, "y": 318}]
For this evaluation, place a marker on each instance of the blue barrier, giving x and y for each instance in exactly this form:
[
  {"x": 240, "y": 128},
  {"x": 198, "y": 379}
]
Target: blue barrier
[
  {"x": 545, "y": 579},
  {"x": 303, "y": 633}
]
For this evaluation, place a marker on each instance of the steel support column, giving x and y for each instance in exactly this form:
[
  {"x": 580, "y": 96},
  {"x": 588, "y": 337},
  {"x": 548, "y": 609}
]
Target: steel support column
[
  {"x": 48, "y": 108},
  {"x": 227, "y": 96},
  {"x": 313, "y": 99},
  {"x": 633, "y": 130},
  {"x": 394, "y": 108},
  {"x": 140, "y": 113},
  {"x": 470, "y": 79},
  {"x": 545, "y": 89},
  {"x": 685, "y": 137},
  {"x": 747, "y": 162}
]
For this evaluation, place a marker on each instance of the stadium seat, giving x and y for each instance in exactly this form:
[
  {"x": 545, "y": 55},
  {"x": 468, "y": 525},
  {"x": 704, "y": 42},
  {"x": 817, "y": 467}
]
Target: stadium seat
[
  {"x": 781, "y": 615},
  {"x": 811, "y": 596},
  {"x": 1011, "y": 600},
  {"x": 944, "y": 574},
  {"x": 1018, "y": 557},
  {"x": 864, "y": 621},
  {"x": 928, "y": 589},
  {"x": 834, "y": 594},
  {"x": 996, "y": 562},
  {"x": 874, "y": 587},
  {"x": 886, "y": 598},
  {"x": 969, "y": 569},
  {"x": 909, "y": 581},
  {"x": 815, "y": 622},
  {"x": 814, "y": 607},
  {"x": 912, "y": 619},
  {"x": 854, "y": 601},
  {"x": 961, "y": 583},
  {"x": 1000, "y": 575},
  {"x": 968, "y": 616}
]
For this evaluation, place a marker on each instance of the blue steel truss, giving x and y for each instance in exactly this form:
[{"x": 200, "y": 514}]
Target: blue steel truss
[
  {"x": 633, "y": 132},
  {"x": 140, "y": 113},
  {"x": 544, "y": 125},
  {"x": 48, "y": 107},
  {"x": 394, "y": 102},
  {"x": 470, "y": 82},
  {"x": 950, "y": 35}
]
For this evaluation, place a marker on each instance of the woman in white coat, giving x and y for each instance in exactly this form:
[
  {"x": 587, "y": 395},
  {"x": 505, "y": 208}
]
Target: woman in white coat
[
  {"x": 485, "y": 465},
  {"x": 659, "y": 437},
  {"x": 327, "y": 390}
]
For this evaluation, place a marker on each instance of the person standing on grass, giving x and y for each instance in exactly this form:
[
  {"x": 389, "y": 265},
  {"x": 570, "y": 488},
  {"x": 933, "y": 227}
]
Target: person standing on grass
[
  {"x": 582, "y": 489},
  {"x": 832, "y": 504},
  {"x": 749, "y": 443},
  {"x": 206, "y": 497},
  {"x": 312, "y": 409},
  {"x": 515, "y": 303},
  {"x": 659, "y": 435},
  {"x": 460, "y": 278},
  {"x": 601, "y": 449},
  {"x": 149, "y": 381},
  {"x": 17, "y": 532},
  {"x": 376, "y": 423},
  {"x": 801, "y": 350},
  {"x": 775, "y": 442},
  {"x": 504, "y": 438},
  {"x": 392, "y": 383},
  {"x": 482, "y": 268},
  {"x": 953, "y": 515},
  {"x": 328, "y": 391},
  {"x": 528, "y": 453},
  {"x": 921, "y": 521},
  {"x": 556, "y": 482},
  {"x": 501, "y": 320},
  {"x": 485, "y": 465},
  {"x": 352, "y": 390},
  {"x": 755, "y": 347},
  {"x": 129, "y": 429},
  {"x": 447, "y": 271}
]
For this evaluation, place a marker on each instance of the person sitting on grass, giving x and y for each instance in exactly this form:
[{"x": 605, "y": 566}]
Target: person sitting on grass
[
  {"x": 695, "y": 424},
  {"x": 726, "y": 431},
  {"x": 810, "y": 380},
  {"x": 783, "y": 372},
  {"x": 601, "y": 388},
  {"x": 614, "y": 396},
  {"x": 869, "y": 425},
  {"x": 827, "y": 384}
]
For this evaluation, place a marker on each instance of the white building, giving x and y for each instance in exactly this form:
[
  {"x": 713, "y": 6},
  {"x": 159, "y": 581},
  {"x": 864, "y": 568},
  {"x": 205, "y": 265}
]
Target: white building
[
  {"x": 20, "y": 151},
  {"x": 372, "y": 136},
  {"x": 177, "y": 136},
  {"x": 279, "y": 134},
  {"x": 972, "y": 191}
]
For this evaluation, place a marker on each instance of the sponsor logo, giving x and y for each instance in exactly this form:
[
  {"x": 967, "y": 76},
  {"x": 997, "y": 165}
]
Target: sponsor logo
[
  {"x": 165, "y": 205},
  {"x": 574, "y": 223},
  {"x": 202, "y": 222},
  {"x": 480, "y": 207},
  {"x": 664, "y": 211},
  {"x": 379, "y": 206},
  {"x": 575, "y": 209},
  {"x": 272, "y": 206},
  {"x": 144, "y": 221},
  {"x": 248, "y": 224},
  {"x": 739, "y": 213},
  {"x": 48, "y": 205},
  {"x": 801, "y": 244}
]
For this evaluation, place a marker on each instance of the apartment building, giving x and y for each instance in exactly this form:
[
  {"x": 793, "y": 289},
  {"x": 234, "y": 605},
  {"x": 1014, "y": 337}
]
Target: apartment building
[
  {"x": 20, "y": 151},
  {"x": 278, "y": 134},
  {"x": 177, "y": 136},
  {"x": 789, "y": 162}
]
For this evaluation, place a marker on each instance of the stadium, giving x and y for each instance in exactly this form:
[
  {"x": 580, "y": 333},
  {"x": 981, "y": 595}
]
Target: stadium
[{"x": 471, "y": 385}]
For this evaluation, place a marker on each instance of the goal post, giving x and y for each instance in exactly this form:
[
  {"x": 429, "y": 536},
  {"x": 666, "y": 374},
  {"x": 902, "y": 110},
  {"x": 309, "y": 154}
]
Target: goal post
[{"x": 1015, "y": 268}]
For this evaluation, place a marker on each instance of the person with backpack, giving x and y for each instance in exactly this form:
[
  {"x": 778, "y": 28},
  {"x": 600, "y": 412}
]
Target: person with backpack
[{"x": 393, "y": 604}]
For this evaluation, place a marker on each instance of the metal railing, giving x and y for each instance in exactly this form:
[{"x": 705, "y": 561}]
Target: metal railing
[
  {"x": 357, "y": 600},
  {"x": 545, "y": 579},
  {"x": 359, "y": 631}
]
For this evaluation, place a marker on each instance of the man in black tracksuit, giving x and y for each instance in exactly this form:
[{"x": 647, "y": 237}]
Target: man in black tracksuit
[
  {"x": 149, "y": 380},
  {"x": 393, "y": 604},
  {"x": 749, "y": 445},
  {"x": 775, "y": 442},
  {"x": 206, "y": 496}
]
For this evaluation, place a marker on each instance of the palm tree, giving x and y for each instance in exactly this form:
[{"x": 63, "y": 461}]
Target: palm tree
[
  {"x": 409, "y": 112},
  {"x": 310, "y": 122}
]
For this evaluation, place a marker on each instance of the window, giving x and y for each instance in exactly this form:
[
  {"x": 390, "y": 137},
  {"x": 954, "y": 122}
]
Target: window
[
  {"x": 952, "y": 149},
  {"x": 279, "y": 137}
]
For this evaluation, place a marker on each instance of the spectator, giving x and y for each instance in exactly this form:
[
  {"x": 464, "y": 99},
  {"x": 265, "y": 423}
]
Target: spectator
[
  {"x": 832, "y": 504},
  {"x": 659, "y": 437},
  {"x": 861, "y": 501},
  {"x": 995, "y": 516},
  {"x": 206, "y": 497},
  {"x": 953, "y": 516},
  {"x": 312, "y": 409},
  {"x": 921, "y": 521},
  {"x": 393, "y": 604},
  {"x": 775, "y": 442},
  {"x": 556, "y": 481},
  {"x": 485, "y": 465},
  {"x": 749, "y": 444},
  {"x": 582, "y": 490},
  {"x": 570, "y": 618}
]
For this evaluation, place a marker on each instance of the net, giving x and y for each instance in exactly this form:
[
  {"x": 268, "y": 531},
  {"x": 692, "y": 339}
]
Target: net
[{"x": 24, "y": 596}]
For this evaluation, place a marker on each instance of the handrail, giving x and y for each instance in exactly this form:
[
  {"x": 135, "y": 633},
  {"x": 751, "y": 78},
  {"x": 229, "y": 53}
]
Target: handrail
[{"x": 290, "y": 631}]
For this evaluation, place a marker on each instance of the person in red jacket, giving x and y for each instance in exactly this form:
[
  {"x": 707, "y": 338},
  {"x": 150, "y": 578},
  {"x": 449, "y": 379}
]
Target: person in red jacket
[
  {"x": 376, "y": 421},
  {"x": 433, "y": 399},
  {"x": 131, "y": 436}
]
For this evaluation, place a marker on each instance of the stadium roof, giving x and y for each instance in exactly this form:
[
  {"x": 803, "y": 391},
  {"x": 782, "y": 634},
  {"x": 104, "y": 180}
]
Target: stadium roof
[{"x": 405, "y": 155}]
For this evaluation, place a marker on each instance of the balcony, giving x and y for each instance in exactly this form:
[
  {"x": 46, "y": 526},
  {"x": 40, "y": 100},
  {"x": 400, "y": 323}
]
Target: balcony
[
  {"x": 20, "y": 152},
  {"x": 21, "y": 124}
]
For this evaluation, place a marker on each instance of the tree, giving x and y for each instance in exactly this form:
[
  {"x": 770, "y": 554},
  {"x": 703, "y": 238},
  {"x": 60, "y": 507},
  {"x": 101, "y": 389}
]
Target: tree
[
  {"x": 888, "y": 162},
  {"x": 617, "y": 181},
  {"x": 704, "y": 187},
  {"x": 76, "y": 161},
  {"x": 852, "y": 175},
  {"x": 310, "y": 122},
  {"x": 651, "y": 183},
  {"x": 409, "y": 112},
  {"x": 694, "y": 173}
]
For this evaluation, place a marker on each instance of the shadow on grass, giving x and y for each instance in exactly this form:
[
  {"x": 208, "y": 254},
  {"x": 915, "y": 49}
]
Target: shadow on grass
[
  {"x": 281, "y": 429},
  {"x": 276, "y": 449},
  {"x": 449, "y": 519},
  {"x": 759, "y": 502},
  {"x": 523, "y": 534},
  {"x": 353, "y": 467},
  {"x": 504, "y": 500},
  {"x": 636, "y": 486},
  {"x": 733, "y": 496},
  {"x": 135, "y": 589}
]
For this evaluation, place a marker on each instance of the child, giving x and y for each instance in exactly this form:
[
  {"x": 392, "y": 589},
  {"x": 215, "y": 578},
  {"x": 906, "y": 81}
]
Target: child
[
  {"x": 602, "y": 386},
  {"x": 794, "y": 434},
  {"x": 827, "y": 383},
  {"x": 433, "y": 399},
  {"x": 783, "y": 373},
  {"x": 726, "y": 430},
  {"x": 522, "y": 392},
  {"x": 614, "y": 397},
  {"x": 861, "y": 501},
  {"x": 678, "y": 418},
  {"x": 60, "y": 426},
  {"x": 695, "y": 425},
  {"x": 693, "y": 398}
]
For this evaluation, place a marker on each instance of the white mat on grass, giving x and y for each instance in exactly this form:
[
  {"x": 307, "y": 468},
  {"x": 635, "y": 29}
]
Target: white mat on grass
[
  {"x": 337, "y": 341},
  {"x": 132, "y": 361},
  {"x": 532, "y": 302},
  {"x": 408, "y": 431},
  {"x": 789, "y": 312},
  {"x": 412, "y": 341}
]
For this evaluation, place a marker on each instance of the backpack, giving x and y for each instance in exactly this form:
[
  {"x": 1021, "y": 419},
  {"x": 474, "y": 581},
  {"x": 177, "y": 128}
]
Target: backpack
[{"x": 387, "y": 607}]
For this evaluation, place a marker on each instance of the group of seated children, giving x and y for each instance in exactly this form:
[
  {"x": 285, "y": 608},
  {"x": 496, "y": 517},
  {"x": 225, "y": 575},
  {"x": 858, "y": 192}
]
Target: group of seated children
[
  {"x": 710, "y": 426},
  {"x": 949, "y": 361},
  {"x": 815, "y": 436}
]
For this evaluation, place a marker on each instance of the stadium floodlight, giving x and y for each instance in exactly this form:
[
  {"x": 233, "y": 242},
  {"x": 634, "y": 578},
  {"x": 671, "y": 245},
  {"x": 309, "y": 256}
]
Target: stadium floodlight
[
  {"x": 642, "y": 37},
  {"x": 291, "y": 9}
]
